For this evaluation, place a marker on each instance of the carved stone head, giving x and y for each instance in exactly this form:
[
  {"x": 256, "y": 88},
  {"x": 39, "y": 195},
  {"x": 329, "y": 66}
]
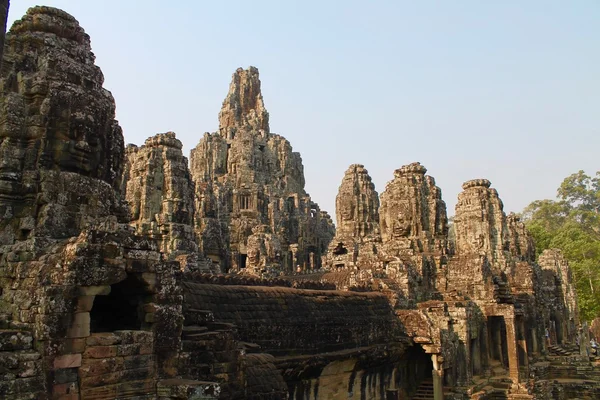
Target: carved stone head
[
  {"x": 402, "y": 223},
  {"x": 54, "y": 113}
]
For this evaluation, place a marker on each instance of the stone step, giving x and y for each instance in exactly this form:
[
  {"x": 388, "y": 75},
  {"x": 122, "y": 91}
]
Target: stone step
[{"x": 189, "y": 331}]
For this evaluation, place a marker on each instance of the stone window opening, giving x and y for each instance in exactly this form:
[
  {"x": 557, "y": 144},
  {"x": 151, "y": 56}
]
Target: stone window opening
[
  {"x": 244, "y": 201},
  {"x": 340, "y": 249},
  {"x": 122, "y": 308},
  {"x": 291, "y": 204},
  {"x": 242, "y": 260}
]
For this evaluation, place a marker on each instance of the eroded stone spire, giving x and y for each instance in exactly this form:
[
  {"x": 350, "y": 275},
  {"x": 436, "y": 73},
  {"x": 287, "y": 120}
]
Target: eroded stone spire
[
  {"x": 412, "y": 205},
  {"x": 252, "y": 211},
  {"x": 243, "y": 108},
  {"x": 480, "y": 221},
  {"x": 357, "y": 204}
]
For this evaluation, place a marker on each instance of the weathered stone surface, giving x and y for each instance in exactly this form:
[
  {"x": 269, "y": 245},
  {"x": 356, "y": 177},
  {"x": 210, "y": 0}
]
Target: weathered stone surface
[
  {"x": 414, "y": 229},
  {"x": 480, "y": 223},
  {"x": 357, "y": 237},
  {"x": 412, "y": 206},
  {"x": 247, "y": 177},
  {"x": 100, "y": 302},
  {"x": 357, "y": 204},
  {"x": 60, "y": 145},
  {"x": 160, "y": 193},
  {"x": 521, "y": 244},
  {"x": 558, "y": 289}
]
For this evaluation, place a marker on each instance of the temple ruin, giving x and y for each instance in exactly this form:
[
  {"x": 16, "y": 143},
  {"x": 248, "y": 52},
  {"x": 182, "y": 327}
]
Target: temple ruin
[{"x": 128, "y": 273}]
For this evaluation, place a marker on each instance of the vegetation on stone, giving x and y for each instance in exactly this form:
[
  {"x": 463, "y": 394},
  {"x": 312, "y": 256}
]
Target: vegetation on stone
[{"x": 572, "y": 224}]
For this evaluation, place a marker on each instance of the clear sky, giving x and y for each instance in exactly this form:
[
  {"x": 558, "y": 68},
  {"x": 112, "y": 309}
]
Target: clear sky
[{"x": 505, "y": 90}]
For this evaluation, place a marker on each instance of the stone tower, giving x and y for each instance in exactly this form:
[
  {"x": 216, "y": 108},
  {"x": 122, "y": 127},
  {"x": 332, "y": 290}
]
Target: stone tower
[
  {"x": 158, "y": 188},
  {"x": 357, "y": 231},
  {"x": 480, "y": 223},
  {"x": 253, "y": 213},
  {"x": 414, "y": 228},
  {"x": 58, "y": 132}
]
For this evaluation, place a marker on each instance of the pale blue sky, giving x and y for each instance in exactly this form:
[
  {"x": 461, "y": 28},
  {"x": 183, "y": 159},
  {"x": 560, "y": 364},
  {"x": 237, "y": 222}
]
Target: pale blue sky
[{"x": 506, "y": 90}]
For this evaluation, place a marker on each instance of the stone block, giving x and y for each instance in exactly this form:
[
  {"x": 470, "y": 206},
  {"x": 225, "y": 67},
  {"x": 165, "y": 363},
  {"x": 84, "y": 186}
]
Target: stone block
[
  {"x": 102, "y": 392},
  {"x": 67, "y": 361},
  {"x": 116, "y": 377},
  {"x": 136, "y": 388},
  {"x": 103, "y": 339},
  {"x": 139, "y": 361},
  {"x": 11, "y": 340},
  {"x": 100, "y": 366},
  {"x": 129, "y": 349},
  {"x": 94, "y": 290},
  {"x": 84, "y": 304},
  {"x": 80, "y": 326},
  {"x": 65, "y": 375},
  {"x": 63, "y": 389},
  {"x": 76, "y": 345},
  {"x": 100, "y": 351}
]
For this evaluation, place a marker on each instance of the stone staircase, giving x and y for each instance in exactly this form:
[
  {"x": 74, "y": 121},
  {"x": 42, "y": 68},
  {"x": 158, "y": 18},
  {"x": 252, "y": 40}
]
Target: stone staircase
[
  {"x": 425, "y": 391},
  {"x": 496, "y": 387},
  {"x": 556, "y": 350},
  {"x": 565, "y": 374},
  {"x": 209, "y": 349}
]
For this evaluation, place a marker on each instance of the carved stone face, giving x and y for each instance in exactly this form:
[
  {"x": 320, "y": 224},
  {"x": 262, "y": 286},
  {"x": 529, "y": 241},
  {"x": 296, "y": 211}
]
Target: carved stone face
[
  {"x": 347, "y": 210},
  {"x": 52, "y": 102},
  {"x": 401, "y": 225},
  {"x": 76, "y": 145},
  {"x": 253, "y": 256}
]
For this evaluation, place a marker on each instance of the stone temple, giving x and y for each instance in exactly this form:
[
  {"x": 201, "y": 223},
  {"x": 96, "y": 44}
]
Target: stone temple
[{"x": 128, "y": 273}]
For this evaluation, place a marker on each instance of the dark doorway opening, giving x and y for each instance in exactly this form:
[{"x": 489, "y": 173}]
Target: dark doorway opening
[
  {"x": 419, "y": 369},
  {"x": 498, "y": 344},
  {"x": 243, "y": 258},
  {"x": 121, "y": 309}
]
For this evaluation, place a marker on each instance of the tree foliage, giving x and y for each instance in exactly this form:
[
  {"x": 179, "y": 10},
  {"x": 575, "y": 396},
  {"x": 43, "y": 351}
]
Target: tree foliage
[{"x": 572, "y": 224}]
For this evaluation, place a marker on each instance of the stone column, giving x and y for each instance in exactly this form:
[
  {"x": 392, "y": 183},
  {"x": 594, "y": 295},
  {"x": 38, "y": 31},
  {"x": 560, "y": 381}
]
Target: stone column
[
  {"x": 534, "y": 339},
  {"x": 498, "y": 343},
  {"x": 522, "y": 342},
  {"x": 438, "y": 377},
  {"x": 513, "y": 357}
]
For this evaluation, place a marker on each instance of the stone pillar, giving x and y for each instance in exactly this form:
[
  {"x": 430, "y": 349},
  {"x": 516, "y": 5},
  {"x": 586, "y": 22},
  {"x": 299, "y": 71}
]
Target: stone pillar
[
  {"x": 584, "y": 348},
  {"x": 522, "y": 342},
  {"x": 513, "y": 357},
  {"x": 438, "y": 377},
  {"x": 498, "y": 343},
  {"x": 534, "y": 341}
]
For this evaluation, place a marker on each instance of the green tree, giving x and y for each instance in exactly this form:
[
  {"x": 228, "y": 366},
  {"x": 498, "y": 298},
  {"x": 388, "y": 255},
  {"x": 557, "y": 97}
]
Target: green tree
[{"x": 572, "y": 224}]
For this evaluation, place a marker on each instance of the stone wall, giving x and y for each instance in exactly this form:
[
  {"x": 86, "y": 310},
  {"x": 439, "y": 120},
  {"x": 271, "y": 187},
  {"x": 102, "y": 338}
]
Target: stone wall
[{"x": 292, "y": 321}]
